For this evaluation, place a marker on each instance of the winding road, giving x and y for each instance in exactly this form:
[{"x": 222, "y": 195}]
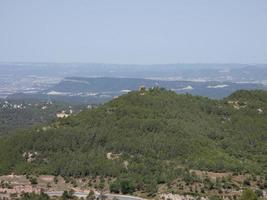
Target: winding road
[{"x": 84, "y": 194}]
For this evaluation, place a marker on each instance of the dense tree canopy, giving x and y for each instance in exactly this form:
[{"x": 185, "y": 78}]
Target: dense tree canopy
[{"x": 150, "y": 134}]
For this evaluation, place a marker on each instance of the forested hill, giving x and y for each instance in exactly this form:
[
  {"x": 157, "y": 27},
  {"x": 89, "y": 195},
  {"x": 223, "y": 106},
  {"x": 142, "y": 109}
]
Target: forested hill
[
  {"x": 25, "y": 113},
  {"x": 147, "y": 135}
]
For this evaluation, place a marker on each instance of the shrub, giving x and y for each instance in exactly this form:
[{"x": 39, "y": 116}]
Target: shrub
[
  {"x": 115, "y": 187},
  {"x": 126, "y": 187},
  {"x": 248, "y": 194},
  {"x": 33, "y": 180}
]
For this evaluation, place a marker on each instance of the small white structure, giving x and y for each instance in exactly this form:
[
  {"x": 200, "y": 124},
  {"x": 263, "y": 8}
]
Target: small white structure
[
  {"x": 260, "y": 111},
  {"x": 62, "y": 114},
  {"x": 44, "y": 107}
]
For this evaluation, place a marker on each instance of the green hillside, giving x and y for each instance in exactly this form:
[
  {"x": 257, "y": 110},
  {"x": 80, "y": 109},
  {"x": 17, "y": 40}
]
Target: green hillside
[
  {"x": 25, "y": 113},
  {"x": 147, "y": 136}
]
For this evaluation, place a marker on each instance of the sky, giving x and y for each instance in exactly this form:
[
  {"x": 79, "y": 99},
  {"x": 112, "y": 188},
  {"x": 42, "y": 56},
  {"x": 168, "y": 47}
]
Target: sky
[{"x": 133, "y": 31}]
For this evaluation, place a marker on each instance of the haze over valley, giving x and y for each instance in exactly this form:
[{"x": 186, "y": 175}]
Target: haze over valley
[{"x": 50, "y": 80}]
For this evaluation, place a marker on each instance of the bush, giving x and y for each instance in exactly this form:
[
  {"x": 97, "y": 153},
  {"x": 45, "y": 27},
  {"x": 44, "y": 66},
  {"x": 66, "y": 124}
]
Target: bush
[
  {"x": 91, "y": 195},
  {"x": 33, "y": 180},
  {"x": 115, "y": 187},
  {"x": 67, "y": 195},
  {"x": 259, "y": 193},
  {"x": 246, "y": 182},
  {"x": 55, "y": 179},
  {"x": 248, "y": 194},
  {"x": 33, "y": 196},
  {"x": 127, "y": 187}
]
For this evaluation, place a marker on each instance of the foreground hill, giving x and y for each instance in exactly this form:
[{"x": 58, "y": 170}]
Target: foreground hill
[{"x": 147, "y": 136}]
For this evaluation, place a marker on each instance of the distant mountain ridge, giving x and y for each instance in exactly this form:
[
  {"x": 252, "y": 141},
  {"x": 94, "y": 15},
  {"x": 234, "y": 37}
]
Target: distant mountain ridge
[
  {"x": 31, "y": 78},
  {"x": 102, "y": 89}
]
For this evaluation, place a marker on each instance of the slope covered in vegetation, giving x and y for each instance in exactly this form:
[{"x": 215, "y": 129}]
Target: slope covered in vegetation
[
  {"x": 25, "y": 113},
  {"x": 147, "y": 136}
]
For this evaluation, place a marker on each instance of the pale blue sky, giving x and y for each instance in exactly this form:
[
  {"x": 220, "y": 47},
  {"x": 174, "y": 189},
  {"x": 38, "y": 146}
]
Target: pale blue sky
[{"x": 134, "y": 31}]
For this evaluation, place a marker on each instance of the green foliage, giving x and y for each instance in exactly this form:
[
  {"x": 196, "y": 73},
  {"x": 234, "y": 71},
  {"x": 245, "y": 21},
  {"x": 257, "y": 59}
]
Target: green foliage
[
  {"x": 153, "y": 131},
  {"x": 91, "y": 195},
  {"x": 152, "y": 188},
  {"x": 101, "y": 184},
  {"x": 25, "y": 113},
  {"x": 248, "y": 194},
  {"x": 259, "y": 193},
  {"x": 33, "y": 196},
  {"x": 127, "y": 186},
  {"x": 67, "y": 195},
  {"x": 214, "y": 197},
  {"x": 115, "y": 187},
  {"x": 55, "y": 179},
  {"x": 33, "y": 180},
  {"x": 5, "y": 184},
  {"x": 246, "y": 182}
]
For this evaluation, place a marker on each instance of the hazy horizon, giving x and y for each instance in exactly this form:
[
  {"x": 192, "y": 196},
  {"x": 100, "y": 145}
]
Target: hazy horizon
[
  {"x": 133, "y": 32},
  {"x": 141, "y": 64}
]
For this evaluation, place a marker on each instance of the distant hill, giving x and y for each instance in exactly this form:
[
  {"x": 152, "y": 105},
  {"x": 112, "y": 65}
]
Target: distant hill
[
  {"x": 178, "y": 71},
  {"x": 147, "y": 136},
  {"x": 99, "y": 90},
  {"x": 24, "y": 113},
  {"x": 24, "y": 80}
]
